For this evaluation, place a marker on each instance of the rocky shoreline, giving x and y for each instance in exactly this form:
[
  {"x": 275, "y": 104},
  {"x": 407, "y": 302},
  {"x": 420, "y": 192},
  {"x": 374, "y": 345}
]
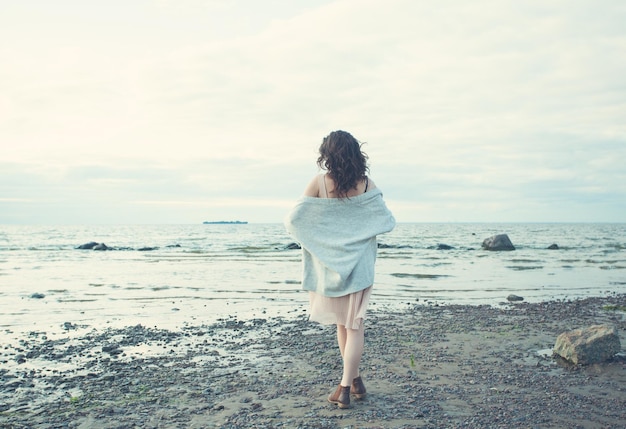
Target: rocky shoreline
[{"x": 425, "y": 367}]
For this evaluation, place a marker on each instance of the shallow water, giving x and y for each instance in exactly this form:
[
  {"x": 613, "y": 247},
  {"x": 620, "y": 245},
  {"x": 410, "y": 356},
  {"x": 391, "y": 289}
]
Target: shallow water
[{"x": 200, "y": 273}]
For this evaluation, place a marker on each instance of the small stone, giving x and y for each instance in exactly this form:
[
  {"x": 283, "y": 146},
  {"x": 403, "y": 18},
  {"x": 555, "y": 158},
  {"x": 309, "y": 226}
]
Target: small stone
[{"x": 112, "y": 349}]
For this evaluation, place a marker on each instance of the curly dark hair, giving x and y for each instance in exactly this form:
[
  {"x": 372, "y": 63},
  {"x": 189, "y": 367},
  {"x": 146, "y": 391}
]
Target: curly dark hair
[{"x": 342, "y": 157}]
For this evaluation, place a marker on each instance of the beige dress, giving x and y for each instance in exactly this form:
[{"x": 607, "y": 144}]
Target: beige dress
[{"x": 348, "y": 310}]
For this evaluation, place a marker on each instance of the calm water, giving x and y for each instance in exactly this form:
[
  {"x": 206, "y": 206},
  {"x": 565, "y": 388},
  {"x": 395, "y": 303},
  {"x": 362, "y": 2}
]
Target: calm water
[{"x": 244, "y": 271}]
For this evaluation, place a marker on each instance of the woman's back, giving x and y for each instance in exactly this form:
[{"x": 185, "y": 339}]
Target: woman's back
[{"x": 323, "y": 186}]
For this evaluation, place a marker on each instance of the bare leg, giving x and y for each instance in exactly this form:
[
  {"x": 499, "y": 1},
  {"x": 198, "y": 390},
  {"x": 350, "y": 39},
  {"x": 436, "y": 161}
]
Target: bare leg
[
  {"x": 341, "y": 339},
  {"x": 353, "y": 350}
]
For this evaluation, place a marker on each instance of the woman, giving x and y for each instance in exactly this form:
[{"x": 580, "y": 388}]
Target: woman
[{"x": 336, "y": 222}]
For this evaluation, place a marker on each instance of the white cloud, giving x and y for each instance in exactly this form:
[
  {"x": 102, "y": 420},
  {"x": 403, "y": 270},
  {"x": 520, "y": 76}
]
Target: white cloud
[{"x": 460, "y": 103}]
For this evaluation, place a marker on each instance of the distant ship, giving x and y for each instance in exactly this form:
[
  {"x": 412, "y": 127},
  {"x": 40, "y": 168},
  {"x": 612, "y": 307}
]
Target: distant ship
[{"x": 225, "y": 222}]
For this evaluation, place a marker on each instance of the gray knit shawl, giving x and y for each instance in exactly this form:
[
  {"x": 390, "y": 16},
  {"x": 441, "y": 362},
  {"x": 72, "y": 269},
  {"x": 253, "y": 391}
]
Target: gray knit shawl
[{"x": 338, "y": 239}]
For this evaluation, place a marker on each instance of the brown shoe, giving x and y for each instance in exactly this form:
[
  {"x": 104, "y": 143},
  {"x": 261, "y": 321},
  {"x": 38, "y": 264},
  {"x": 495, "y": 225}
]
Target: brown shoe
[
  {"x": 341, "y": 397},
  {"x": 358, "y": 388}
]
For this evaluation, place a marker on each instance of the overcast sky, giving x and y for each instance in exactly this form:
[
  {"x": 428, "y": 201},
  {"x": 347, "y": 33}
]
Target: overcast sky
[{"x": 164, "y": 111}]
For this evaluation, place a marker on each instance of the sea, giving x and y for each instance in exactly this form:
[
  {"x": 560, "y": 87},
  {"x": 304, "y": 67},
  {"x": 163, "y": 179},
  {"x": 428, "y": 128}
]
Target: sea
[{"x": 172, "y": 276}]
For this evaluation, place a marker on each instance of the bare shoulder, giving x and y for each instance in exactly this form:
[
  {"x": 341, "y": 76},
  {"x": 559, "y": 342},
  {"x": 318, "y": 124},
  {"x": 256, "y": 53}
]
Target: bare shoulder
[
  {"x": 370, "y": 183},
  {"x": 313, "y": 188}
]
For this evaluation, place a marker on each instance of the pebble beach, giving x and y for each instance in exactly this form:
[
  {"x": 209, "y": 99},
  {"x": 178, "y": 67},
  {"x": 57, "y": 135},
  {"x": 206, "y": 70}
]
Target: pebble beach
[{"x": 428, "y": 366}]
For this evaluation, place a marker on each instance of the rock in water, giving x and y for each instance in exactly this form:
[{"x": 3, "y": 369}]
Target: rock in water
[
  {"x": 514, "y": 298},
  {"x": 498, "y": 242},
  {"x": 442, "y": 246},
  {"x": 88, "y": 246},
  {"x": 590, "y": 345}
]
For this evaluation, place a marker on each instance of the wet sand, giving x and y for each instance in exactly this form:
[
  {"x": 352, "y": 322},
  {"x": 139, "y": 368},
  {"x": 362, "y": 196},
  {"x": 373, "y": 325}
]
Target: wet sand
[{"x": 424, "y": 367}]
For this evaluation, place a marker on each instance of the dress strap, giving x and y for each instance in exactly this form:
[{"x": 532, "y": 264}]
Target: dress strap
[
  {"x": 323, "y": 185},
  {"x": 367, "y": 182}
]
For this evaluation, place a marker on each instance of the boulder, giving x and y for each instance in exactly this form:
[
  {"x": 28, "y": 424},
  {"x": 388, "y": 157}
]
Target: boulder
[
  {"x": 589, "y": 345},
  {"x": 292, "y": 246},
  {"x": 101, "y": 246},
  {"x": 553, "y": 247},
  {"x": 514, "y": 298},
  {"x": 498, "y": 242}
]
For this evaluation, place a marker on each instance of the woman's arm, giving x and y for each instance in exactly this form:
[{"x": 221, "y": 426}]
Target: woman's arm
[{"x": 313, "y": 188}]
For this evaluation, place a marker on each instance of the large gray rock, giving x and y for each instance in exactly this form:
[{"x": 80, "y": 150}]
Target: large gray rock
[
  {"x": 498, "y": 242},
  {"x": 590, "y": 345}
]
